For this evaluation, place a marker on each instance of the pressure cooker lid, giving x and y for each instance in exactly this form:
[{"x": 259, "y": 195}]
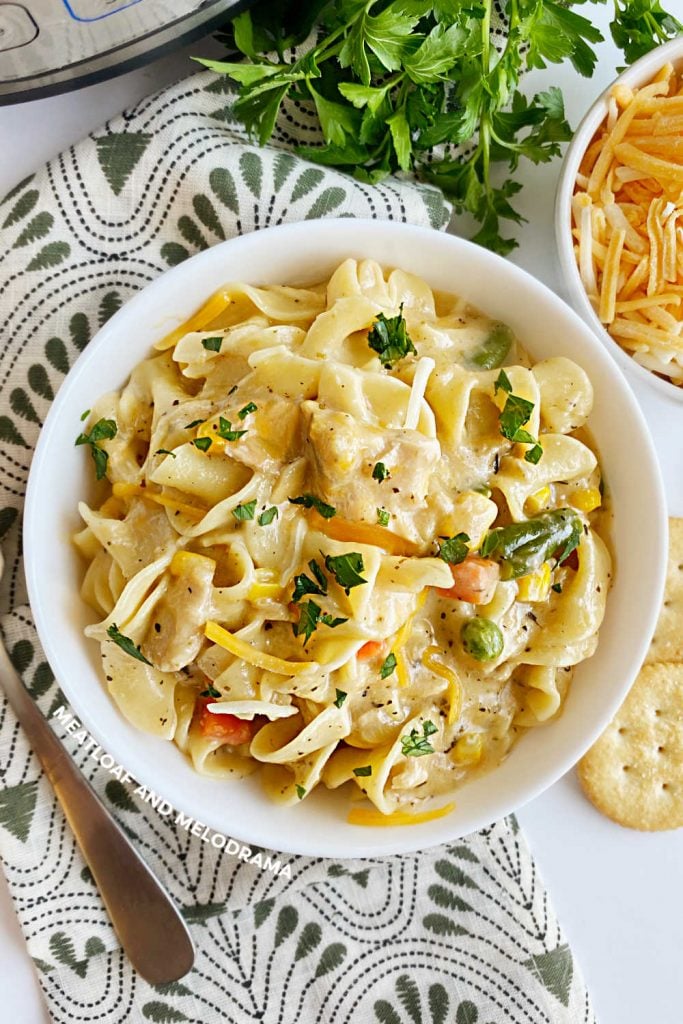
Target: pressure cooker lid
[{"x": 50, "y": 46}]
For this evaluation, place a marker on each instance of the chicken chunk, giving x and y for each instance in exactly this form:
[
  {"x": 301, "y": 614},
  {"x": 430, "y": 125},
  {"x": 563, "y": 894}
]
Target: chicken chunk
[
  {"x": 358, "y": 467},
  {"x": 177, "y": 623}
]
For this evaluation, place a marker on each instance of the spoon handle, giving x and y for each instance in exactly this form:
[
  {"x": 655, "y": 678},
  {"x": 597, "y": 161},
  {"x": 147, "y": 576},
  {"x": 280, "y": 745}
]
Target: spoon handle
[{"x": 149, "y": 926}]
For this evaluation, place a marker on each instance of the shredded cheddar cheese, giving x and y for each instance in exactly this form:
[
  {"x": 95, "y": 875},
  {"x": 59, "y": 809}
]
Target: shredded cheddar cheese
[
  {"x": 252, "y": 655},
  {"x": 370, "y": 818}
]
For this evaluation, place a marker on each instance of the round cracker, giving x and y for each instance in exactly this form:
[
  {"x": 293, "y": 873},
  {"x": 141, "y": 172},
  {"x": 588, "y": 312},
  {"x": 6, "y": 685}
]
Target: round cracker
[
  {"x": 634, "y": 773},
  {"x": 667, "y": 642}
]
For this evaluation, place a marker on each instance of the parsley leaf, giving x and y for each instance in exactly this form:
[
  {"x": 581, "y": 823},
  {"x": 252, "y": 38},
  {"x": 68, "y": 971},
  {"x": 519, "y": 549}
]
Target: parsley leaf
[
  {"x": 212, "y": 344},
  {"x": 165, "y": 451},
  {"x": 388, "y": 666},
  {"x": 389, "y": 338},
  {"x": 126, "y": 644},
  {"x": 249, "y": 407},
  {"x": 340, "y": 698},
  {"x": 346, "y": 569},
  {"x": 303, "y": 584},
  {"x": 84, "y": 415},
  {"x": 245, "y": 511},
  {"x": 516, "y": 412},
  {"x": 454, "y": 549},
  {"x": 390, "y": 81},
  {"x": 557, "y": 587},
  {"x": 310, "y": 615},
  {"x": 195, "y": 423},
  {"x": 332, "y": 621},
  {"x": 363, "y": 772},
  {"x": 203, "y": 443},
  {"x": 310, "y": 501},
  {"x": 383, "y": 517},
  {"x": 226, "y": 432},
  {"x": 417, "y": 744},
  {"x": 318, "y": 573},
  {"x": 210, "y": 691},
  {"x": 266, "y": 518},
  {"x": 300, "y": 791},
  {"x": 380, "y": 472},
  {"x": 103, "y": 430}
]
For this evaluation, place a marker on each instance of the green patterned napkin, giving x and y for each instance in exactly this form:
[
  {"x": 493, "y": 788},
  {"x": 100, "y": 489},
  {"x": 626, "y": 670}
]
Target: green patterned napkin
[{"x": 457, "y": 935}]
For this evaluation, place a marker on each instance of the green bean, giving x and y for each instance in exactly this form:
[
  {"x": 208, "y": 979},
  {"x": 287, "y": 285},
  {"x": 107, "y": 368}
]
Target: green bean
[
  {"x": 523, "y": 547},
  {"x": 482, "y": 639},
  {"x": 494, "y": 349}
]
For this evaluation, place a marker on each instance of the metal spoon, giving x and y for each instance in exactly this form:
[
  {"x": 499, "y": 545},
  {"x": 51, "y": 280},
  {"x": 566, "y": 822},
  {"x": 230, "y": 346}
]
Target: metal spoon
[{"x": 148, "y": 924}]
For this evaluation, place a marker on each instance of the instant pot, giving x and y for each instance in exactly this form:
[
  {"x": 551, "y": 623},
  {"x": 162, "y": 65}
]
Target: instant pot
[{"x": 51, "y": 46}]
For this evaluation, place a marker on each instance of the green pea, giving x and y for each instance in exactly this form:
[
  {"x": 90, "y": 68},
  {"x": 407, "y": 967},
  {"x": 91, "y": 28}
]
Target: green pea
[
  {"x": 482, "y": 639},
  {"x": 494, "y": 349}
]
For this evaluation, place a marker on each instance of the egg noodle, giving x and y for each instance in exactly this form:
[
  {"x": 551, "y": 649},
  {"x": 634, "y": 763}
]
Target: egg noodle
[{"x": 335, "y": 540}]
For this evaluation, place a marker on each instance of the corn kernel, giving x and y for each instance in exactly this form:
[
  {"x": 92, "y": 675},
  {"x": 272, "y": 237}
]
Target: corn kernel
[
  {"x": 184, "y": 561},
  {"x": 537, "y": 501},
  {"x": 534, "y": 586},
  {"x": 266, "y": 586},
  {"x": 468, "y": 749},
  {"x": 586, "y": 499}
]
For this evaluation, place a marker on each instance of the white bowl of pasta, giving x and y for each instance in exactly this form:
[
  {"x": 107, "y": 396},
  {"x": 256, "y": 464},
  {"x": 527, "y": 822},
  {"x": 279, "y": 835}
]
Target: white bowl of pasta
[
  {"x": 617, "y": 220},
  {"x": 350, "y": 540}
]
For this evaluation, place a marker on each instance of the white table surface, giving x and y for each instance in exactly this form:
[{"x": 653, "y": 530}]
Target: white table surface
[{"x": 618, "y": 893}]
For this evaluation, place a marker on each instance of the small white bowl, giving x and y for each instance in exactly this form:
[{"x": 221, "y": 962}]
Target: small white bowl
[
  {"x": 302, "y": 253},
  {"x": 639, "y": 74}
]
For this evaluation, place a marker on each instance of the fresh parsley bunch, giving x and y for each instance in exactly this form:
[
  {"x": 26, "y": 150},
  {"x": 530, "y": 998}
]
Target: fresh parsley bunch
[{"x": 391, "y": 80}]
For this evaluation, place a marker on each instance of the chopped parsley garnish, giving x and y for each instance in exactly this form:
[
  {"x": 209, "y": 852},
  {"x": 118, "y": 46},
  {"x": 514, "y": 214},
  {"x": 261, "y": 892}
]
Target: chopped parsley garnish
[
  {"x": 165, "y": 451},
  {"x": 557, "y": 587},
  {"x": 210, "y": 691},
  {"x": 363, "y": 772},
  {"x": 303, "y": 584},
  {"x": 388, "y": 666},
  {"x": 340, "y": 698},
  {"x": 383, "y": 517},
  {"x": 249, "y": 407},
  {"x": 300, "y": 791},
  {"x": 212, "y": 344},
  {"x": 417, "y": 744},
  {"x": 318, "y": 573},
  {"x": 310, "y": 501},
  {"x": 226, "y": 432},
  {"x": 266, "y": 518},
  {"x": 389, "y": 338},
  {"x": 310, "y": 616},
  {"x": 454, "y": 549},
  {"x": 126, "y": 644},
  {"x": 103, "y": 430},
  {"x": 246, "y": 511},
  {"x": 346, "y": 569},
  {"x": 232, "y": 390},
  {"x": 84, "y": 415},
  {"x": 203, "y": 443},
  {"x": 516, "y": 412},
  {"x": 195, "y": 423},
  {"x": 380, "y": 472}
]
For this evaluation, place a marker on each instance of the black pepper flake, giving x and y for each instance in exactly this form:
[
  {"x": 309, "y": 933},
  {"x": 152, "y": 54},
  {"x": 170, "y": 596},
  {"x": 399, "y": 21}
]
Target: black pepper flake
[{"x": 157, "y": 627}]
